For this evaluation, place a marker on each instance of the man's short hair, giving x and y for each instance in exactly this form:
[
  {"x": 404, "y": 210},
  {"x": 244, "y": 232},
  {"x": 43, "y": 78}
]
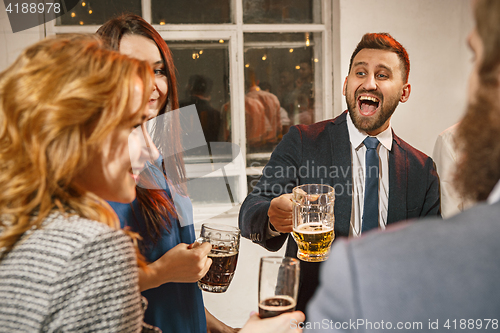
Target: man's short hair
[{"x": 384, "y": 41}]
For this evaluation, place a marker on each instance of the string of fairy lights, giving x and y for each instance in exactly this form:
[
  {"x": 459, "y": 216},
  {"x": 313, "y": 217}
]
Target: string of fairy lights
[
  {"x": 265, "y": 57},
  {"x": 87, "y": 8},
  {"x": 195, "y": 55}
]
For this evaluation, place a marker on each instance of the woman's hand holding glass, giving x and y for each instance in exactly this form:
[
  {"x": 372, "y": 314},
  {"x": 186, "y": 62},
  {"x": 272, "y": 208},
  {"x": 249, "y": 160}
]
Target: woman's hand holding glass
[
  {"x": 284, "y": 323},
  {"x": 183, "y": 263}
]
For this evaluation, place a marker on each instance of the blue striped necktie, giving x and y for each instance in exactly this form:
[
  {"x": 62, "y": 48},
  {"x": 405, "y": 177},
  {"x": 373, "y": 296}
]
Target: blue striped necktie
[{"x": 370, "y": 208}]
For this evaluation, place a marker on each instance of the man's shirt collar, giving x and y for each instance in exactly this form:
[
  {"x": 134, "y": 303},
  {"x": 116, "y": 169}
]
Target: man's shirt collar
[{"x": 357, "y": 136}]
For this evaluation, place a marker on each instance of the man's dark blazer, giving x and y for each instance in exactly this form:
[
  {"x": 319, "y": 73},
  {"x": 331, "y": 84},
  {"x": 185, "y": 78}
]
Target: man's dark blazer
[{"x": 321, "y": 154}]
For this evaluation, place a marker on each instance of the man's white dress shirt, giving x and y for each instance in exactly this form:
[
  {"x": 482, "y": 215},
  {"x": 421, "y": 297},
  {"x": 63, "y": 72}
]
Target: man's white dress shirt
[{"x": 358, "y": 152}]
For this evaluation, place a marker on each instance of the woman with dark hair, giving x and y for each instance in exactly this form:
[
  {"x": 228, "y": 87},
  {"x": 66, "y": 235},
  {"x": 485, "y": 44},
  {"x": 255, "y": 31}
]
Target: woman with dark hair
[{"x": 162, "y": 212}]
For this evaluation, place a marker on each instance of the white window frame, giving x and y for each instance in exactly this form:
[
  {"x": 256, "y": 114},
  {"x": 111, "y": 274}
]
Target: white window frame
[{"x": 234, "y": 32}]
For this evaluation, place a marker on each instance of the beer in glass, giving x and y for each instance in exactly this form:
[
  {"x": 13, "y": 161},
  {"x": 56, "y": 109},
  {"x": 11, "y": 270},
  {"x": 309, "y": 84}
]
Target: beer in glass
[
  {"x": 278, "y": 285},
  {"x": 225, "y": 242},
  {"x": 313, "y": 221}
]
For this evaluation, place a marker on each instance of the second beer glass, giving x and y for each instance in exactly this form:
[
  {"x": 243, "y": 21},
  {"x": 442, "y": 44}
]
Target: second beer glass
[
  {"x": 313, "y": 221},
  {"x": 225, "y": 242},
  {"x": 278, "y": 285}
]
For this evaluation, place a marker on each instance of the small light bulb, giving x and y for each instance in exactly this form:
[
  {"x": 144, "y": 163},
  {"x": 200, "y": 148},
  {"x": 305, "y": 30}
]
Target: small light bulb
[
  {"x": 264, "y": 57},
  {"x": 316, "y": 60},
  {"x": 73, "y": 14},
  {"x": 162, "y": 22},
  {"x": 221, "y": 41},
  {"x": 83, "y": 4},
  {"x": 247, "y": 65},
  {"x": 297, "y": 67},
  {"x": 201, "y": 51},
  {"x": 90, "y": 11},
  {"x": 291, "y": 50},
  {"x": 81, "y": 22}
]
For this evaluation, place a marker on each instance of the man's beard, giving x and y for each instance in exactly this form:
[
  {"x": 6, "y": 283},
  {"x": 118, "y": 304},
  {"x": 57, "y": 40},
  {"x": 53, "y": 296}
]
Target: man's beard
[
  {"x": 369, "y": 124},
  {"x": 478, "y": 169}
]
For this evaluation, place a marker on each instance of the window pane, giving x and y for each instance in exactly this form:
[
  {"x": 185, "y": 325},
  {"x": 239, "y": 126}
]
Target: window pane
[
  {"x": 283, "y": 80},
  {"x": 96, "y": 12},
  {"x": 281, "y": 11},
  {"x": 252, "y": 181},
  {"x": 214, "y": 190},
  {"x": 203, "y": 80},
  {"x": 192, "y": 12}
]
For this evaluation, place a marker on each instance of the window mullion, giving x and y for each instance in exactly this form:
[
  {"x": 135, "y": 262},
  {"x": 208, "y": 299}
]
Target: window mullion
[
  {"x": 146, "y": 11},
  {"x": 238, "y": 124},
  {"x": 283, "y": 28}
]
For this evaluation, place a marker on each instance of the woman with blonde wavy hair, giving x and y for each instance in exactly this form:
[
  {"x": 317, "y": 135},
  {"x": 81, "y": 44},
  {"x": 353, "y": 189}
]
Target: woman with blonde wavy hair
[{"x": 68, "y": 109}]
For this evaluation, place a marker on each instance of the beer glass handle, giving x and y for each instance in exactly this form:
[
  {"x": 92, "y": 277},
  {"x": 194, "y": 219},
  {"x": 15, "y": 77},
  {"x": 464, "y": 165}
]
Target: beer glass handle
[
  {"x": 202, "y": 240},
  {"x": 198, "y": 242}
]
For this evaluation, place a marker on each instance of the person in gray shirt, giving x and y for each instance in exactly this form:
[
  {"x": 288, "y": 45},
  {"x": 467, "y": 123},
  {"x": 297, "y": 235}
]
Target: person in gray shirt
[{"x": 437, "y": 274}]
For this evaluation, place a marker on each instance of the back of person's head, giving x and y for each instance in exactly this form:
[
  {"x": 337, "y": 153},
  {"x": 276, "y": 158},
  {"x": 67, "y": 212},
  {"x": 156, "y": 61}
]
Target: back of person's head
[
  {"x": 478, "y": 169},
  {"x": 112, "y": 33},
  {"x": 385, "y": 42},
  {"x": 306, "y": 68},
  {"x": 58, "y": 102},
  {"x": 266, "y": 86},
  {"x": 200, "y": 85}
]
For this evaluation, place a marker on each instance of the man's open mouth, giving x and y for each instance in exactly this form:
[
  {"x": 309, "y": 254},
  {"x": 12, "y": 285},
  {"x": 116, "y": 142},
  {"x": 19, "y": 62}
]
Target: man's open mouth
[{"x": 368, "y": 105}]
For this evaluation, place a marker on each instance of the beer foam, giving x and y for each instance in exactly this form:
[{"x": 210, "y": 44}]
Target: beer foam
[
  {"x": 280, "y": 307},
  {"x": 312, "y": 228},
  {"x": 222, "y": 254}
]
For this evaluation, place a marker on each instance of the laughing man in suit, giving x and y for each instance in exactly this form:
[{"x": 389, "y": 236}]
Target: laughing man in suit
[{"x": 333, "y": 152}]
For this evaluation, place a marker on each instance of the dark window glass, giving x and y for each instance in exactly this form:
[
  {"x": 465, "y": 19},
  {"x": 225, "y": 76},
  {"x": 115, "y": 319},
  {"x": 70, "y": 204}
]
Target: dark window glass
[
  {"x": 281, "y": 11},
  {"x": 97, "y": 12},
  {"x": 191, "y": 12},
  {"x": 252, "y": 181},
  {"x": 203, "y": 80},
  {"x": 282, "y": 76}
]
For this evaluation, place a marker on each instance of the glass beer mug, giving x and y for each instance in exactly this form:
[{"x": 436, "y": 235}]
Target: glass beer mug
[
  {"x": 225, "y": 242},
  {"x": 313, "y": 221}
]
